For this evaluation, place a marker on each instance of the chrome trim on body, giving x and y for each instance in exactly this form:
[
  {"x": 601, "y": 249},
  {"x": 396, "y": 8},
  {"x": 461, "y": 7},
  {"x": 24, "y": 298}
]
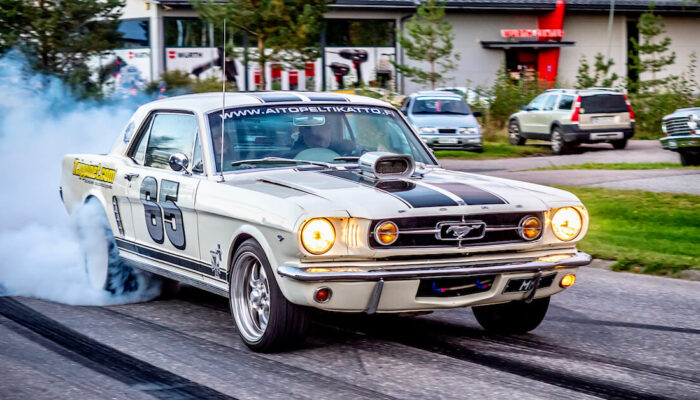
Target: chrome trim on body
[{"x": 579, "y": 259}]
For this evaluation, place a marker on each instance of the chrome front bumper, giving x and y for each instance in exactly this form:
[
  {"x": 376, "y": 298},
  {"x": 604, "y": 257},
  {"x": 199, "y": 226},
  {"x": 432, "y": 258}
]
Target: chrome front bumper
[
  {"x": 680, "y": 142},
  {"x": 541, "y": 264}
]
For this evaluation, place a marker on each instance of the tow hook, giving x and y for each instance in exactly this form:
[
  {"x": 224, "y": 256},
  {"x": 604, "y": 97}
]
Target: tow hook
[{"x": 531, "y": 294}]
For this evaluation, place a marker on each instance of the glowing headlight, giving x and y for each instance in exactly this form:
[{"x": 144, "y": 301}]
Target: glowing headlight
[
  {"x": 386, "y": 233},
  {"x": 469, "y": 131},
  {"x": 566, "y": 223},
  {"x": 663, "y": 128},
  {"x": 318, "y": 236},
  {"x": 530, "y": 228},
  {"x": 428, "y": 130}
]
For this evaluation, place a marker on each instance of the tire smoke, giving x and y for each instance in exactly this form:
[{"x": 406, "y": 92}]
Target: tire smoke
[{"x": 41, "y": 251}]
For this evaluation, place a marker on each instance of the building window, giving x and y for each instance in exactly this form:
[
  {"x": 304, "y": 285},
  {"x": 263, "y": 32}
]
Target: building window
[
  {"x": 135, "y": 34},
  {"x": 193, "y": 32},
  {"x": 360, "y": 33}
]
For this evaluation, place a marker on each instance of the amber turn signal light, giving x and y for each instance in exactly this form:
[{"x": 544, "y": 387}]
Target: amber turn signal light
[
  {"x": 386, "y": 233},
  {"x": 322, "y": 294},
  {"x": 567, "y": 280}
]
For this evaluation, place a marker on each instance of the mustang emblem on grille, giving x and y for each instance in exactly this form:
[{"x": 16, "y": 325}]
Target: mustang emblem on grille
[{"x": 461, "y": 231}]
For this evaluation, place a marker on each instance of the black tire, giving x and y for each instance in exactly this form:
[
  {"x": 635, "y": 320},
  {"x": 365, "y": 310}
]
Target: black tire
[
  {"x": 619, "y": 144},
  {"x": 478, "y": 150},
  {"x": 514, "y": 136},
  {"x": 286, "y": 323},
  {"x": 512, "y": 318},
  {"x": 689, "y": 159},
  {"x": 103, "y": 268},
  {"x": 559, "y": 146}
]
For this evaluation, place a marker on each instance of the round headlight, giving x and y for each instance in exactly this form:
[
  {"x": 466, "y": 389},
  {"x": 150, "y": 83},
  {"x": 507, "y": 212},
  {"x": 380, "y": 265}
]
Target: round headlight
[
  {"x": 530, "y": 228},
  {"x": 318, "y": 236},
  {"x": 566, "y": 223},
  {"x": 386, "y": 233}
]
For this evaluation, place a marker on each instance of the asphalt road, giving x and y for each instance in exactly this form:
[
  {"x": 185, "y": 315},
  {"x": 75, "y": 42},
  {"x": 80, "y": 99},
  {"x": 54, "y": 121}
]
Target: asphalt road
[
  {"x": 612, "y": 335},
  {"x": 637, "y": 151}
]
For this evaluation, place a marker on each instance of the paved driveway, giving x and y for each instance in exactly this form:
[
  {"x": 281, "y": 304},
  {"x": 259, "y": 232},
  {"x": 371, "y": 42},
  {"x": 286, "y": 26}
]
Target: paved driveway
[{"x": 637, "y": 151}]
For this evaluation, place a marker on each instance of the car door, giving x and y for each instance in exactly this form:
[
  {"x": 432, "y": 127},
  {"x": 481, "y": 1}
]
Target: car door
[
  {"x": 547, "y": 115},
  {"x": 528, "y": 117},
  {"x": 162, "y": 200}
]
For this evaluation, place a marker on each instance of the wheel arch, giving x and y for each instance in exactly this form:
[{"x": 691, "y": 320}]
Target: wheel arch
[
  {"x": 242, "y": 234},
  {"x": 555, "y": 124}
]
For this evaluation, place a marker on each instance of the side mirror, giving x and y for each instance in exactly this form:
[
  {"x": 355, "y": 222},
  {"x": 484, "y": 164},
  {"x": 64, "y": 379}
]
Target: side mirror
[
  {"x": 477, "y": 113},
  {"x": 179, "y": 162}
]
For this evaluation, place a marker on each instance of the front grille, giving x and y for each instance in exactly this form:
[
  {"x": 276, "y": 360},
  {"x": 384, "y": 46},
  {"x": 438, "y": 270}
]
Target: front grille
[
  {"x": 430, "y": 232},
  {"x": 677, "y": 126},
  {"x": 441, "y": 130}
]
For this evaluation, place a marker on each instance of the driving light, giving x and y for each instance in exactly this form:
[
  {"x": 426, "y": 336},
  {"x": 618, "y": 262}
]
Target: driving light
[
  {"x": 567, "y": 280},
  {"x": 428, "y": 130},
  {"x": 530, "y": 228},
  {"x": 469, "y": 131},
  {"x": 323, "y": 294},
  {"x": 663, "y": 128},
  {"x": 318, "y": 236},
  {"x": 386, "y": 233},
  {"x": 566, "y": 223}
]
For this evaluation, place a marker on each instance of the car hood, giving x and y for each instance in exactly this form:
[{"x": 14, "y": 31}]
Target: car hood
[
  {"x": 683, "y": 112},
  {"x": 433, "y": 191},
  {"x": 443, "y": 121}
]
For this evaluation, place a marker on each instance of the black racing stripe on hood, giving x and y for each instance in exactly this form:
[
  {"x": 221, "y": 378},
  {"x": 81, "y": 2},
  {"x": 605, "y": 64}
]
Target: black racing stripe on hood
[
  {"x": 470, "y": 194},
  {"x": 274, "y": 97},
  {"x": 415, "y": 195}
]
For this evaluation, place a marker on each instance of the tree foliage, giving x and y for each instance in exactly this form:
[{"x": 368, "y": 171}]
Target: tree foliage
[
  {"x": 429, "y": 40},
  {"x": 600, "y": 76},
  {"x": 650, "y": 55},
  {"x": 283, "y": 31},
  {"x": 60, "y": 36}
]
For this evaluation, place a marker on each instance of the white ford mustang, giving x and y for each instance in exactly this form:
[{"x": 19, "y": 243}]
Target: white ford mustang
[{"x": 284, "y": 201}]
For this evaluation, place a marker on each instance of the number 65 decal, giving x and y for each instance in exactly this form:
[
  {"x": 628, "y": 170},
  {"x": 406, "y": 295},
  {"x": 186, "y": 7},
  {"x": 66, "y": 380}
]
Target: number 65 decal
[{"x": 164, "y": 209}]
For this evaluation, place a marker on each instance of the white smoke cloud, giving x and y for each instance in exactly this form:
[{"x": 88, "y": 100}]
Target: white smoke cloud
[{"x": 40, "y": 252}]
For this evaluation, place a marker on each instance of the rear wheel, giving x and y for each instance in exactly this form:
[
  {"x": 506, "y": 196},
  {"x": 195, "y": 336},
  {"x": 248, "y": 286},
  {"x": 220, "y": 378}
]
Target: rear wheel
[
  {"x": 100, "y": 253},
  {"x": 689, "y": 159},
  {"x": 513, "y": 317},
  {"x": 266, "y": 321},
  {"x": 559, "y": 146},
  {"x": 514, "y": 136},
  {"x": 619, "y": 144}
]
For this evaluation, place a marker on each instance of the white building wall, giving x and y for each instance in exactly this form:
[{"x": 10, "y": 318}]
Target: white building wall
[{"x": 685, "y": 40}]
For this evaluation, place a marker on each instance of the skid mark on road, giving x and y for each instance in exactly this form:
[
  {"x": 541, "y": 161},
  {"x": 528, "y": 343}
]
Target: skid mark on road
[
  {"x": 113, "y": 363},
  {"x": 420, "y": 334}
]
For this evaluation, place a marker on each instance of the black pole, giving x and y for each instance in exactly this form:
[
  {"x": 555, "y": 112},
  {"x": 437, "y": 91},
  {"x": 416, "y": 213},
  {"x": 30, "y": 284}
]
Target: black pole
[
  {"x": 323, "y": 58},
  {"x": 245, "y": 60}
]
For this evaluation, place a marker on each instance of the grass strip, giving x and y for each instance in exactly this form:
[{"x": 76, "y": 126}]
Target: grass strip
[
  {"x": 616, "y": 166},
  {"x": 646, "y": 232}
]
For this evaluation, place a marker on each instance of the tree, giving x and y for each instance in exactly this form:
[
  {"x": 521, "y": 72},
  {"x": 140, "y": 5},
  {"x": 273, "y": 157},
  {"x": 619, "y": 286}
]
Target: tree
[
  {"x": 600, "y": 76},
  {"x": 650, "y": 55},
  {"x": 59, "y": 37},
  {"x": 430, "y": 41},
  {"x": 285, "y": 31}
]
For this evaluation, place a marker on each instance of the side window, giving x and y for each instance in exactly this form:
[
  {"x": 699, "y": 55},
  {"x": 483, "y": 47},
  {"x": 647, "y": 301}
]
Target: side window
[
  {"x": 140, "y": 154},
  {"x": 170, "y": 133},
  {"x": 197, "y": 160},
  {"x": 566, "y": 102},
  {"x": 538, "y": 102},
  {"x": 551, "y": 101}
]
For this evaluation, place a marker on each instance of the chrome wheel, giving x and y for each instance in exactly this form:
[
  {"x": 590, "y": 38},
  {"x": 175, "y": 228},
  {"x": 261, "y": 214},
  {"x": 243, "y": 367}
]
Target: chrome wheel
[
  {"x": 514, "y": 134},
  {"x": 557, "y": 142},
  {"x": 251, "y": 297}
]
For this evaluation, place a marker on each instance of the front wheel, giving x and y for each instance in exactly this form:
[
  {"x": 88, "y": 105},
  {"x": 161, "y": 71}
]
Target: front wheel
[
  {"x": 266, "y": 321},
  {"x": 689, "y": 159},
  {"x": 514, "y": 136},
  {"x": 512, "y": 318}
]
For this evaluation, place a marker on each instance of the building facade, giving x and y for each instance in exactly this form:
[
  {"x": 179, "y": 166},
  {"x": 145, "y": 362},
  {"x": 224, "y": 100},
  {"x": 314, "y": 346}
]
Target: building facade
[{"x": 542, "y": 37}]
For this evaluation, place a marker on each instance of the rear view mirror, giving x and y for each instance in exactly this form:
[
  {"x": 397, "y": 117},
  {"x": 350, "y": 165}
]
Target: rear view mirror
[
  {"x": 179, "y": 162},
  {"x": 309, "y": 120}
]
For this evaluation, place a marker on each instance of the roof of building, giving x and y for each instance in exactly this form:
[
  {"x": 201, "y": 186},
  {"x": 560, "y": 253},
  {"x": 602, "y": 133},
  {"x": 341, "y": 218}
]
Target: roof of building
[
  {"x": 514, "y": 5},
  {"x": 206, "y": 102}
]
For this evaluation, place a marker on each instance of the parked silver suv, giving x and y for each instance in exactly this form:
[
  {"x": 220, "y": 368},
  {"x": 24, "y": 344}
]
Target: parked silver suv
[{"x": 569, "y": 117}]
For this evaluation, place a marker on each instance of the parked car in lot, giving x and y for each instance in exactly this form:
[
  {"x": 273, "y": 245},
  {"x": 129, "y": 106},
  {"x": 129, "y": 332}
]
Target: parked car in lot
[
  {"x": 443, "y": 120},
  {"x": 569, "y": 117},
  {"x": 283, "y": 202},
  {"x": 682, "y": 129}
]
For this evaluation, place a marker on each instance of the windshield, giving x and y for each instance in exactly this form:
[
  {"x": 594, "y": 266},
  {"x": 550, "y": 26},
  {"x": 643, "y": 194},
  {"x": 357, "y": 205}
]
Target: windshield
[
  {"x": 277, "y": 135},
  {"x": 441, "y": 105}
]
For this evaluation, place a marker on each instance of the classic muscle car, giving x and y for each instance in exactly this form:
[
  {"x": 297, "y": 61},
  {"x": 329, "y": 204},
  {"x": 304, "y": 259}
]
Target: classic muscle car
[
  {"x": 285, "y": 201},
  {"x": 682, "y": 130}
]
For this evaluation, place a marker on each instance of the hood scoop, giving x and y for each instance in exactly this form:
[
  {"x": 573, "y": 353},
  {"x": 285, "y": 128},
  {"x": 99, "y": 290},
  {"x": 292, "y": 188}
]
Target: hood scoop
[{"x": 383, "y": 165}]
